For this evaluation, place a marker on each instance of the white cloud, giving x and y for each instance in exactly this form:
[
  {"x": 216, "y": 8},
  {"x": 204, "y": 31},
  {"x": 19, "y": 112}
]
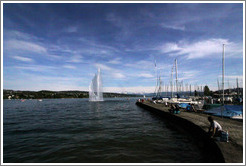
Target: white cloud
[
  {"x": 17, "y": 35},
  {"x": 75, "y": 59},
  {"x": 55, "y": 85},
  {"x": 142, "y": 64},
  {"x": 188, "y": 75},
  {"x": 69, "y": 67},
  {"x": 173, "y": 26},
  {"x": 118, "y": 75},
  {"x": 103, "y": 67},
  {"x": 145, "y": 75},
  {"x": 24, "y": 59},
  {"x": 232, "y": 77},
  {"x": 25, "y": 45},
  {"x": 201, "y": 49},
  {"x": 24, "y": 81},
  {"x": 72, "y": 29},
  {"x": 53, "y": 57},
  {"x": 36, "y": 67},
  {"x": 169, "y": 47},
  {"x": 115, "y": 61},
  {"x": 96, "y": 48},
  {"x": 111, "y": 72},
  {"x": 138, "y": 89}
]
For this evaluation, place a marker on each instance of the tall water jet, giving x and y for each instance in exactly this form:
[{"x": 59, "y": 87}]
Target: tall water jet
[{"x": 96, "y": 88}]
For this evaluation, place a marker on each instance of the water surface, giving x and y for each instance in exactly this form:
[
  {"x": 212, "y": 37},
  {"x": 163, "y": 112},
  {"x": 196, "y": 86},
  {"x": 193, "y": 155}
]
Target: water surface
[{"x": 79, "y": 131}]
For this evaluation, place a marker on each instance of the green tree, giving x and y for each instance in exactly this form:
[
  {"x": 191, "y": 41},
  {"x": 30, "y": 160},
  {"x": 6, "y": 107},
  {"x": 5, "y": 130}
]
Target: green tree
[{"x": 206, "y": 91}]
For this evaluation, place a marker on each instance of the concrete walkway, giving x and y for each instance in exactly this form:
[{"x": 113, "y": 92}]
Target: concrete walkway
[{"x": 232, "y": 151}]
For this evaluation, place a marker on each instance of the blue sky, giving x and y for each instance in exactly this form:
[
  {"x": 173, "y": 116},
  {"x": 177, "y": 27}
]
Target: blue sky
[{"x": 60, "y": 46}]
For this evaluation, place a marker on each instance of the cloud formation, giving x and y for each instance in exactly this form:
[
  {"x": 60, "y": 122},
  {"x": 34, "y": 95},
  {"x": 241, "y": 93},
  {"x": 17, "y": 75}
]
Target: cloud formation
[
  {"x": 124, "y": 40},
  {"x": 201, "y": 49},
  {"x": 25, "y": 46},
  {"x": 24, "y": 59},
  {"x": 175, "y": 27}
]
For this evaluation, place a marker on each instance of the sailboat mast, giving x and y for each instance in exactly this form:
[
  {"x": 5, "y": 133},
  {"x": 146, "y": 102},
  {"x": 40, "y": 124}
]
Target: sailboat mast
[
  {"x": 160, "y": 84},
  {"x": 172, "y": 83},
  {"x": 223, "y": 75},
  {"x": 237, "y": 89},
  {"x": 223, "y": 71},
  {"x": 156, "y": 80},
  {"x": 98, "y": 82},
  {"x": 218, "y": 85},
  {"x": 190, "y": 89},
  {"x": 228, "y": 87},
  {"x": 176, "y": 67}
]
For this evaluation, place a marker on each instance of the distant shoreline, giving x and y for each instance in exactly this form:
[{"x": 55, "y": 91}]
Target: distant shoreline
[{"x": 46, "y": 94}]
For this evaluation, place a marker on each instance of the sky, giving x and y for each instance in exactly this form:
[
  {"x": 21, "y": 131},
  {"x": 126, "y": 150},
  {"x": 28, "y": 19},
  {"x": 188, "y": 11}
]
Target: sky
[{"x": 59, "y": 46}]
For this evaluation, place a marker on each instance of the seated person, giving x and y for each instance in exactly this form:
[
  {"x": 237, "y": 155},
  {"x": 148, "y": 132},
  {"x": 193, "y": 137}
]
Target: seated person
[
  {"x": 173, "y": 108},
  {"x": 193, "y": 108},
  {"x": 177, "y": 111},
  {"x": 177, "y": 107},
  {"x": 215, "y": 128},
  {"x": 188, "y": 107}
]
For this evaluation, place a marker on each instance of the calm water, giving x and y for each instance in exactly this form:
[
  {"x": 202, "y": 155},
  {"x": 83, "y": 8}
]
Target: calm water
[{"x": 78, "y": 131}]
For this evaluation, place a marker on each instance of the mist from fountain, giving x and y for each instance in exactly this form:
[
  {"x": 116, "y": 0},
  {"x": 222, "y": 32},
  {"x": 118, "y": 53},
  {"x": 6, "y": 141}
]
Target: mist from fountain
[{"x": 96, "y": 88}]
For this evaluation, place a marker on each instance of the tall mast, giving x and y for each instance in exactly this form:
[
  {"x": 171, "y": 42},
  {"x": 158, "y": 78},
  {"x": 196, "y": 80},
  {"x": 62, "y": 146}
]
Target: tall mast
[
  {"x": 176, "y": 75},
  {"x": 223, "y": 75},
  {"x": 228, "y": 87},
  {"x": 160, "y": 84},
  {"x": 201, "y": 90},
  {"x": 156, "y": 79},
  {"x": 190, "y": 89},
  {"x": 237, "y": 89},
  {"x": 218, "y": 85},
  {"x": 172, "y": 83},
  {"x": 98, "y": 83}
]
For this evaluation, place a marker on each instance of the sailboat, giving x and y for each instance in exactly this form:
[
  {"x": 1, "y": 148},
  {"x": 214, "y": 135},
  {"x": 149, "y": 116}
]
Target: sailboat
[
  {"x": 233, "y": 115},
  {"x": 176, "y": 99},
  {"x": 224, "y": 111},
  {"x": 96, "y": 88}
]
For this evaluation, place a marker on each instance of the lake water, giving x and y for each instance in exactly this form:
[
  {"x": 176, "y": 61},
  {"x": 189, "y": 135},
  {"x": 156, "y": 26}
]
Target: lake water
[{"x": 79, "y": 131}]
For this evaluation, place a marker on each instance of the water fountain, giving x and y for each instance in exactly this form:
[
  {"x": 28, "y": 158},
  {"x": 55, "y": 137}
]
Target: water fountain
[{"x": 96, "y": 88}]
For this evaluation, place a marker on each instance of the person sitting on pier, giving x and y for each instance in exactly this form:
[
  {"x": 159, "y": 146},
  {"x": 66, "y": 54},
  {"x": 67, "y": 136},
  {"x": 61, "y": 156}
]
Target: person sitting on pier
[
  {"x": 177, "y": 111},
  {"x": 215, "y": 128},
  {"x": 193, "y": 108},
  {"x": 177, "y": 107},
  {"x": 173, "y": 108},
  {"x": 188, "y": 107}
]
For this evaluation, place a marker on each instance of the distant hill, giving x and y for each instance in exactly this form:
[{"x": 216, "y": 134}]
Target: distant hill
[{"x": 46, "y": 94}]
